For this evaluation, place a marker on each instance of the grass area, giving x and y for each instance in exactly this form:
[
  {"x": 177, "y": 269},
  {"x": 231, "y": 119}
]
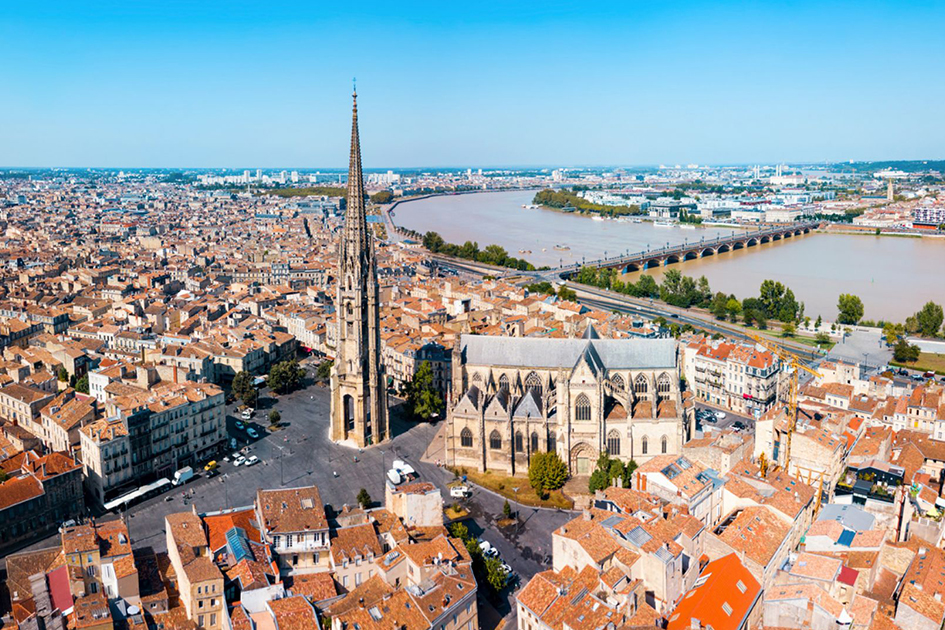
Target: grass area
[
  {"x": 517, "y": 489},
  {"x": 455, "y": 511},
  {"x": 927, "y": 361}
]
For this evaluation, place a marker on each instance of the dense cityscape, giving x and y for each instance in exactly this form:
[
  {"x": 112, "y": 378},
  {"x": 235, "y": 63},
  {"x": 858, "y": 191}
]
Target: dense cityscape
[{"x": 566, "y": 383}]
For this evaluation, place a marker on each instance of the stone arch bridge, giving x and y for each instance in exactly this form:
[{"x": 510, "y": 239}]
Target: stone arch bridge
[{"x": 690, "y": 251}]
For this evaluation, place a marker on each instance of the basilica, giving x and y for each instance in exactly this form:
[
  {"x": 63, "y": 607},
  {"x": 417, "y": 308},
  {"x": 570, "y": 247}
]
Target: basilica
[{"x": 516, "y": 396}]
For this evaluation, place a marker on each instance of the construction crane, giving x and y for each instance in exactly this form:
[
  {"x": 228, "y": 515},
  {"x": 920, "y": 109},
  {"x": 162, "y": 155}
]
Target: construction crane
[{"x": 797, "y": 364}]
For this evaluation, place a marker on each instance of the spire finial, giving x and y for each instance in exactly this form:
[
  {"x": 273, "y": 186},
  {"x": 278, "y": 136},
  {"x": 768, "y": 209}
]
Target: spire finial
[{"x": 354, "y": 85}]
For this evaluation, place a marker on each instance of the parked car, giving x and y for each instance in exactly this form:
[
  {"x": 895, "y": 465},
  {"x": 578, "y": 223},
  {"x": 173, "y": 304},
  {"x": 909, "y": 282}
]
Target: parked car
[
  {"x": 252, "y": 459},
  {"x": 239, "y": 425},
  {"x": 247, "y": 414},
  {"x": 459, "y": 492},
  {"x": 720, "y": 415},
  {"x": 239, "y": 461},
  {"x": 487, "y": 549},
  {"x": 739, "y": 425},
  {"x": 213, "y": 473},
  {"x": 251, "y": 432},
  {"x": 210, "y": 465}
]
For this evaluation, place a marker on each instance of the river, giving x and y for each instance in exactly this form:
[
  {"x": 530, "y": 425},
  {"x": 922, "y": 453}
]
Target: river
[{"x": 894, "y": 276}]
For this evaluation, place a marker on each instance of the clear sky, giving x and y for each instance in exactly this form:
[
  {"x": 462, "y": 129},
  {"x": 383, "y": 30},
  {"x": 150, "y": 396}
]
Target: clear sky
[{"x": 138, "y": 83}]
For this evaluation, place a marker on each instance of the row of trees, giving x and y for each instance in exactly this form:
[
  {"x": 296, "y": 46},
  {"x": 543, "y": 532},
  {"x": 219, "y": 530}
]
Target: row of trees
[
  {"x": 546, "y": 288},
  {"x": 569, "y": 199},
  {"x": 491, "y": 255},
  {"x": 284, "y": 377}
]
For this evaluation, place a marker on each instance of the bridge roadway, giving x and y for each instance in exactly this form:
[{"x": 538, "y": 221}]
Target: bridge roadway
[{"x": 686, "y": 251}]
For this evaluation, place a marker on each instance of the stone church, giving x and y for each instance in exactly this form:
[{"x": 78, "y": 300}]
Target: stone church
[
  {"x": 516, "y": 396},
  {"x": 358, "y": 384}
]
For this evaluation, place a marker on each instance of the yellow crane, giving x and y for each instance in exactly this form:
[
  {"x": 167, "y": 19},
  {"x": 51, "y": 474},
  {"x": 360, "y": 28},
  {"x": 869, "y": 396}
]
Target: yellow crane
[{"x": 797, "y": 364}]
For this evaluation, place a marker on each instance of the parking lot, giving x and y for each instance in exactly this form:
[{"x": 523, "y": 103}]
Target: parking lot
[{"x": 730, "y": 419}]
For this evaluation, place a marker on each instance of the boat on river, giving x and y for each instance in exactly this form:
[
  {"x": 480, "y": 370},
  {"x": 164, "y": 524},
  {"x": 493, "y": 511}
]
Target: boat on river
[{"x": 664, "y": 224}]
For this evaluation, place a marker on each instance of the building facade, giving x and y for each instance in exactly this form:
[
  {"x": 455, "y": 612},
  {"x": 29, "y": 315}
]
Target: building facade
[
  {"x": 358, "y": 387},
  {"x": 577, "y": 397}
]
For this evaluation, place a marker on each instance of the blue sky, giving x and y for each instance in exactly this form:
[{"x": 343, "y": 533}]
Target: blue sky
[{"x": 267, "y": 84}]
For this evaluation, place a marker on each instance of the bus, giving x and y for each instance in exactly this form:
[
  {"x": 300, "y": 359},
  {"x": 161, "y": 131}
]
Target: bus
[{"x": 134, "y": 497}]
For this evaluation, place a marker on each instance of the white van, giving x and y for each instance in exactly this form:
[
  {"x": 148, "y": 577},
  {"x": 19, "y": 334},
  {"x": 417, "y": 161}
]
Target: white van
[
  {"x": 183, "y": 475},
  {"x": 459, "y": 492}
]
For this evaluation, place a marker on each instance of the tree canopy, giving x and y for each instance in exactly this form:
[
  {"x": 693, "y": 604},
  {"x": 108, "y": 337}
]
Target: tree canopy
[
  {"x": 285, "y": 376},
  {"x": 546, "y": 472},
  {"x": 423, "y": 400},
  {"x": 850, "y": 308}
]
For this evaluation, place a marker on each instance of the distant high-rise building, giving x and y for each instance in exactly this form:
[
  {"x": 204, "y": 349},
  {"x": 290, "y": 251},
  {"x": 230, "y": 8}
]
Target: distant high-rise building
[
  {"x": 258, "y": 173},
  {"x": 358, "y": 387},
  {"x": 295, "y": 177}
]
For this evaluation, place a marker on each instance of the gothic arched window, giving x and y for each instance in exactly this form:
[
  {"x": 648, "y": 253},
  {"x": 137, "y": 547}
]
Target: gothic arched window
[
  {"x": 495, "y": 440},
  {"x": 617, "y": 381},
  {"x": 503, "y": 382},
  {"x": 519, "y": 442},
  {"x": 582, "y": 409},
  {"x": 533, "y": 383},
  {"x": 663, "y": 384},
  {"x": 552, "y": 442},
  {"x": 663, "y": 444},
  {"x": 613, "y": 443},
  {"x": 643, "y": 445},
  {"x": 465, "y": 438},
  {"x": 534, "y": 442},
  {"x": 639, "y": 385}
]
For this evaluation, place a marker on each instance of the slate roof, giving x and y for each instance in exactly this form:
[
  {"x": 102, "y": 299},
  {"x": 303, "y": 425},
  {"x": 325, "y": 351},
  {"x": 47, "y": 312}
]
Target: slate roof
[{"x": 633, "y": 353}]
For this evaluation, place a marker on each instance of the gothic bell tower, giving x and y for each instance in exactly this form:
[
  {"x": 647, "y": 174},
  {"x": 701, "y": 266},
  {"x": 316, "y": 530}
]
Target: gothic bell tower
[{"x": 358, "y": 386}]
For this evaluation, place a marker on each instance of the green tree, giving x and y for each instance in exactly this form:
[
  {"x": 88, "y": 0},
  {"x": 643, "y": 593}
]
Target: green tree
[
  {"x": 364, "y": 499},
  {"x": 244, "y": 389},
  {"x": 323, "y": 371},
  {"x": 82, "y": 385},
  {"x": 929, "y": 319},
  {"x": 495, "y": 574},
  {"x": 788, "y": 329},
  {"x": 904, "y": 352},
  {"x": 719, "y": 305},
  {"x": 850, "y": 308},
  {"x": 506, "y": 509},
  {"x": 600, "y": 478},
  {"x": 384, "y": 196},
  {"x": 646, "y": 286},
  {"x": 564, "y": 293},
  {"x": 818, "y": 323},
  {"x": 546, "y": 472},
  {"x": 459, "y": 530},
  {"x": 62, "y": 374},
  {"x": 892, "y": 332},
  {"x": 423, "y": 400},
  {"x": 734, "y": 308},
  {"x": 285, "y": 376},
  {"x": 822, "y": 338},
  {"x": 274, "y": 417}
]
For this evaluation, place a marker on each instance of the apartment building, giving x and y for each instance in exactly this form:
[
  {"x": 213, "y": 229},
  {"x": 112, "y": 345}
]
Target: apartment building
[
  {"x": 736, "y": 376},
  {"x": 165, "y": 428},
  {"x": 293, "y": 522},
  {"x": 38, "y": 494},
  {"x": 199, "y": 580},
  {"x": 106, "y": 458}
]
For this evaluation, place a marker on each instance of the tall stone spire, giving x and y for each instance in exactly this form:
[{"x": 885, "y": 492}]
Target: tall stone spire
[{"x": 358, "y": 385}]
